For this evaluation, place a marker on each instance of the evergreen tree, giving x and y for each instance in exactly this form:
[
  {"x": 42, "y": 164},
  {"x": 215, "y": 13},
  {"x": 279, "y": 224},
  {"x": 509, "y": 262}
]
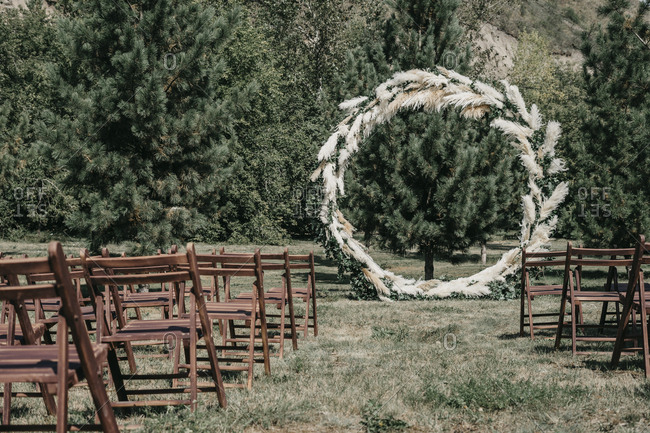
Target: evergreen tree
[
  {"x": 432, "y": 181},
  {"x": 609, "y": 204},
  {"x": 145, "y": 123}
]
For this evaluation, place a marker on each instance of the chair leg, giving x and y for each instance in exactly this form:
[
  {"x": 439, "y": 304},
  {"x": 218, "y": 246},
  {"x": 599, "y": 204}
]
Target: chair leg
[
  {"x": 193, "y": 373},
  {"x": 574, "y": 327},
  {"x": 521, "y": 313},
  {"x": 128, "y": 348},
  {"x": 251, "y": 353},
  {"x": 560, "y": 322},
  {"x": 214, "y": 369},
  {"x": 314, "y": 315},
  {"x": 530, "y": 317},
  {"x": 603, "y": 317},
  {"x": 116, "y": 374},
  {"x": 282, "y": 324},
  {"x": 306, "y": 326},
  {"x": 6, "y": 404},
  {"x": 646, "y": 348},
  {"x": 62, "y": 405}
]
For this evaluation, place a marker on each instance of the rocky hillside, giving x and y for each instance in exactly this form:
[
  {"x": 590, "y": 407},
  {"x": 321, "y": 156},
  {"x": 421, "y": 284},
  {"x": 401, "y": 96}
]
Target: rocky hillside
[{"x": 562, "y": 23}]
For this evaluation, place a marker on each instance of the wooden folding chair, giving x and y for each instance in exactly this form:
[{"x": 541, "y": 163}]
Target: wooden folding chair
[
  {"x": 239, "y": 347},
  {"x": 636, "y": 298},
  {"x": 40, "y": 364},
  {"x": 306, "y": 293},
  {"x": 613, "y": 260},
  {"x": 531, "y": 262},
  {"x": 280, "y": 297},
  {"x": 154, "y": 297},
  {"x": 176, "y": 270}
]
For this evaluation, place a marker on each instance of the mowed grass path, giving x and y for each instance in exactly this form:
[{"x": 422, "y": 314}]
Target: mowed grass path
[{"x": 447, "y": 365}]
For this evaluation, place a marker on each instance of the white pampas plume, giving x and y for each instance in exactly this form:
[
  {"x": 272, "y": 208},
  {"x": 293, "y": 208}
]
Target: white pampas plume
[
  {"x": 511, "y": 128},
  {"x": 490, "y": 92},
  {"x": 343, "y": 158},
  {"x": 382, "y": 92},
  {"x": 329, "y": 147},
  {"x": 529, "y": 209},
  {"x": 557, "y": 166},
  {"x": 352, "y": 139},
  {"x": 316, "y": 174},
  {"x": 396, "y": 104},
  {"x": 340, "y": 183},
  {"x": 514, "y": 96},
  {"x": 551, "y": 203},
  {"x": 535, "y": 118},
  {"x": 455, "y": 76},
  {"x": 553, "y": 133},
  {"x": 435, "y": 80},
  {"x": 433, "y": 100},
  {"x": 475, "y": 112},
  {"x": 404, "y": 77},
  {"x": 534, "y": 190},
  {"x": 465, "y": 99},
  {"x": 542, "y": 233},
  {"x": 351, "y": 104},
  {"x": 329, "y": 182},
  {"x": 531, "y": 165}
]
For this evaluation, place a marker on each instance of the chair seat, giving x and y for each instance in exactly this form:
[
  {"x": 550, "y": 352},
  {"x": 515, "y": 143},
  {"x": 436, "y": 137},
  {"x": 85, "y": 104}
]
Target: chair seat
[
  {"x": 550, "y": 289},
  {"x": 87, "y": 314},
  {"x": 296, "y": 292},
  {"x": 270, "y": 297},
  {"x": 39, "y": 363},
  {"x": 145, "y": 299},
  {"x": 229, "y": 310},
  {"x": 39, "y": 330},
  {"x": 596, "y": 296},
  {"x": 46, "y": 305},
  {"x": 144, "y": 330}
]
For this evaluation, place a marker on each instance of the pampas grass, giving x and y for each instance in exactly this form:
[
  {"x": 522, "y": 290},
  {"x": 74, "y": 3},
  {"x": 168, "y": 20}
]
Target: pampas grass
[{"x": 434, "y": 91}]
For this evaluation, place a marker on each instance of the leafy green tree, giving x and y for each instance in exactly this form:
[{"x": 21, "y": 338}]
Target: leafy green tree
[
  {"x": 144, "y": 125},
  {"x": 609, "y": 204},
  {"x": 30, "y": 196},
  {"x": 428, "y": 180}
]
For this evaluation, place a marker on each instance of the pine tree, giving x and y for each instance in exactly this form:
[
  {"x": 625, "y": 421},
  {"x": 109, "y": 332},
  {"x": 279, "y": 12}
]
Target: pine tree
[
  {"x": 432, "y": 181},
  {"x": 144, "y": 123},
  {"x": 609, "y": 204}
]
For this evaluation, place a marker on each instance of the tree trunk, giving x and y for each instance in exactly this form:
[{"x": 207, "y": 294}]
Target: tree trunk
[
  {"x": 483, "y": 252},
  {"x": 428, "y": 263}
]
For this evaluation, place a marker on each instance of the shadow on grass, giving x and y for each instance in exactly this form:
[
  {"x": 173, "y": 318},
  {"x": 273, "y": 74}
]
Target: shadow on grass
[{"x": 510, "y": 336}]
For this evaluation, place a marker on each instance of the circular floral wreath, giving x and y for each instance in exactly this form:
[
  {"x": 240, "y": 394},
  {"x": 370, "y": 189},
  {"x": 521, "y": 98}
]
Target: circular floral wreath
[{"x": 430, "y": 91}]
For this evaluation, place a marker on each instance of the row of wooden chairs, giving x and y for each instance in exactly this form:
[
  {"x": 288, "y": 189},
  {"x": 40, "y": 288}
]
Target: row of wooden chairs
[
  {"x": 112, "y": 283},
  {"x": 621, "y": 299}
]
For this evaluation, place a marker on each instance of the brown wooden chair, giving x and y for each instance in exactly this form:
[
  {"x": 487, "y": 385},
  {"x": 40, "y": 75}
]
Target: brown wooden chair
[
  {"x": 174, "y": 269},
  {"x": 280, "y": 297},
  {"x": 306, "y": 293},
  {"x": 613, "y": 261},
  {"x": 239, "y": 321},
  {"x": 40, "y": 364},
  {"x": 635, "y": 299},
  {"x": 538, "y": 262},
  {"x": 159, "y": 297}
]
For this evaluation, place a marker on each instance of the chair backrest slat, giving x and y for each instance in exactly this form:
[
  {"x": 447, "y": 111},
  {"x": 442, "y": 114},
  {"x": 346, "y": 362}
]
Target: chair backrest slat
[
  {"x": 28, "y": 292},
  {"x": 140, "y": 278}
]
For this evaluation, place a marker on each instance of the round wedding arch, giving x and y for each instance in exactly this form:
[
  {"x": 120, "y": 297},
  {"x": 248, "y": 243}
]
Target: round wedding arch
[{"x": 435, "y": 91}]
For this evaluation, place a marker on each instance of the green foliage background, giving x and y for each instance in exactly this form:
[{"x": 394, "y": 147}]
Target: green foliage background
[{"x": 99, "y": 139}]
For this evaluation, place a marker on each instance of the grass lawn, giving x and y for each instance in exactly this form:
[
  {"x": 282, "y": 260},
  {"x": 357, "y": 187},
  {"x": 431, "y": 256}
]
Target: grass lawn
[{"x": 447, "y": 365}]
